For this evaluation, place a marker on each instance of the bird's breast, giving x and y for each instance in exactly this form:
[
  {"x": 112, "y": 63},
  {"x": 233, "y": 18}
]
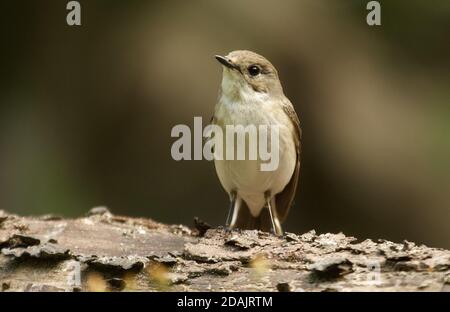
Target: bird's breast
[{"x": 245, "y": 176}]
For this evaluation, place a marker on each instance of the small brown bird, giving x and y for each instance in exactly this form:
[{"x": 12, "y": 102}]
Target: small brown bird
[{"x": 251, "y": 94}]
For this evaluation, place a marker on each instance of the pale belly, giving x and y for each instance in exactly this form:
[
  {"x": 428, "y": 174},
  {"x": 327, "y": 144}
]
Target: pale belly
[{"x": 246, "y": 177}]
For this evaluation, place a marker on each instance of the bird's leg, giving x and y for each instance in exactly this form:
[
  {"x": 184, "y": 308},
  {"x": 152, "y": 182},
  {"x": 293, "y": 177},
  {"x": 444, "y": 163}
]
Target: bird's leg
[
  {"x": 276, "y": 226},
  {"x": 228, "y": 225}
]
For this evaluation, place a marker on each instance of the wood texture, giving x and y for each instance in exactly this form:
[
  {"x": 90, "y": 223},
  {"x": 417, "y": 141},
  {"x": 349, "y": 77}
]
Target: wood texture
[{"x": 104, "y": 252}]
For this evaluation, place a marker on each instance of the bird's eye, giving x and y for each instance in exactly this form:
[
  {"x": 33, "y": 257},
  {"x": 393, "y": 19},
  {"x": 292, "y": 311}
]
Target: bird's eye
[{"x": 253, "y": 70}]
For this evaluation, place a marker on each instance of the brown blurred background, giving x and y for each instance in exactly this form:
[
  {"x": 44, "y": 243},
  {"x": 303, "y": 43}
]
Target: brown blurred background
[{"x": 86, "y": 112}]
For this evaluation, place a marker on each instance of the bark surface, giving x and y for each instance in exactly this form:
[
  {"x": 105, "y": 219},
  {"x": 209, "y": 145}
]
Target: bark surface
[{"x": 105, "y": 252}]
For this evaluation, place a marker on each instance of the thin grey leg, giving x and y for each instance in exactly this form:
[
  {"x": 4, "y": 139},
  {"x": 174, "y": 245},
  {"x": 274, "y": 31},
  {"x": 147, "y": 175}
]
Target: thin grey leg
[
  {"x": 276, "y": 226},
  {"x": 231, "y": 211}
]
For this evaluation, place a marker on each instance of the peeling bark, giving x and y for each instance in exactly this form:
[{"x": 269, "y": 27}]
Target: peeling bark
[{"x": 104, "y": 252}]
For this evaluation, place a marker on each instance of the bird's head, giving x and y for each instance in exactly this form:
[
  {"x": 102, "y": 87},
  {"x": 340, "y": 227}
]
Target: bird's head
[{"x": 248, "y": 72}]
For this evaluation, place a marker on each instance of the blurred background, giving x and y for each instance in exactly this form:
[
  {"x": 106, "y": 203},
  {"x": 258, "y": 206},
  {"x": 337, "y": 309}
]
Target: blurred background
[{"x": 86, "y": 112}]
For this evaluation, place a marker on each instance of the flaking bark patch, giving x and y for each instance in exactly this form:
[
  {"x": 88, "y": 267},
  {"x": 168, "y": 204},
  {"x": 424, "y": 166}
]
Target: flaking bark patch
[{"x": 105, "y": 252}]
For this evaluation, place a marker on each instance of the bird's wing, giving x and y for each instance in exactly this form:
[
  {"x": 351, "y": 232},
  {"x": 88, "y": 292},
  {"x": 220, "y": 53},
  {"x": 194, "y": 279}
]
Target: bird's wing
[{"x": 285, "y": 198}]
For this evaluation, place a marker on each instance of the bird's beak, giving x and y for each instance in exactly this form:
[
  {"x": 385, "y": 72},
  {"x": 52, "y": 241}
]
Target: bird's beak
[{"x": 226, "y": 62}]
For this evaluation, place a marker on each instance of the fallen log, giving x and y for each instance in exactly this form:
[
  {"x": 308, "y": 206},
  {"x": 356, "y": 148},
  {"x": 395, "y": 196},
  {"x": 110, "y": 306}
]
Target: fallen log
[{"x": 106, "y": 252}]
